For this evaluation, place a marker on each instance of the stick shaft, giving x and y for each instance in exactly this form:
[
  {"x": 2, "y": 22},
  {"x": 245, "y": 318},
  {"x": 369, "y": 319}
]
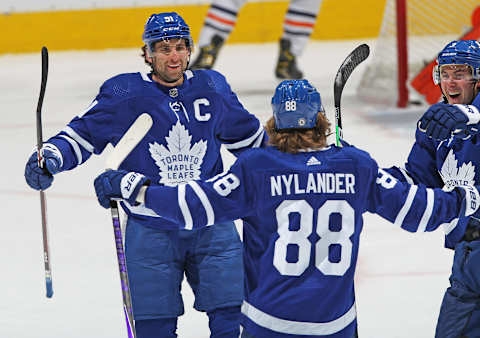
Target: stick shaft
[
  {"x": 43, "y": 199},
  {"x": 122, "y": 268},
  {"x": 125, "y": 145}
]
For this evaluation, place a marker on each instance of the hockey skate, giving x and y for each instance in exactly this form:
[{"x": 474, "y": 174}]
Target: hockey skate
[
  {"x": 287, "y": 64},
  {"x": 208, "y": 54}
]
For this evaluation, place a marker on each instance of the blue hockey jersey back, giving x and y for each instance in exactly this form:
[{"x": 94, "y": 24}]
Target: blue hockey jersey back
[
  {"x": 302, "y": 218},
  {"x": 190, "y": 123}
]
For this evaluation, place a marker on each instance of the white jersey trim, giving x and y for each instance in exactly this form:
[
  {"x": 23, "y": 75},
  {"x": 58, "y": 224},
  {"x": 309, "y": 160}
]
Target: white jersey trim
[
  {"x": 84, "y": 143},
  {"x": 205, "y": 202},
  {"x": 448, "y": 227},
  {"x": 298, "y": 328},
  {"x": 76, "y": 148},
  {"x": 86, "y": 110},
  {"x": 140, "y": 210},
  {"x": 428, "y": 211},
  {"x": 188, "y": 74},
  {"x": 406, "y": 175},
  {"x": 182, "y": 202},
  {"x": 255, "y": 140},
  {"x": 145, "y": 77},
  {"x": 406, "y": 206}
]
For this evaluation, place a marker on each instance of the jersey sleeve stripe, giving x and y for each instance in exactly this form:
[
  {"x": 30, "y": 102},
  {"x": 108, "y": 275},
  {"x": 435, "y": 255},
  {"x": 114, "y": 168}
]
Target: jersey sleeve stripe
[
  {"x": 258, "y": 141},
  {"x": 406, "y": 206},
  {"x": 76, "y": 148},
  {"x": 86, "y": 110},
  {"x": 406, "y": 175},
  {"x": 248, "y": 141},
  {"x": 428, "y": 211},
  {"x": 449, "y": 227},
  {"x": 182, "y": 202},
  {"x": 84, "y": 143},
  {"x": 205, "y": 202}
]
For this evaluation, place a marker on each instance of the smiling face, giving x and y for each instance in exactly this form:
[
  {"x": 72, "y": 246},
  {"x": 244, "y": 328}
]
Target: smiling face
[
  {"x": 457, "y": 84},
  {"x": 169, "y": 59}
]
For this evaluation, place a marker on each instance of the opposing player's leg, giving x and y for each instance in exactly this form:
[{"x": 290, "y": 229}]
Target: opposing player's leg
[
  {"x": 155, "y": 264},
  {"x": 215, "y": 272},
  {"x": 220, "y": 20},
  {"x": 460, "y": 310},
  {"x": 297, "y": 27}
]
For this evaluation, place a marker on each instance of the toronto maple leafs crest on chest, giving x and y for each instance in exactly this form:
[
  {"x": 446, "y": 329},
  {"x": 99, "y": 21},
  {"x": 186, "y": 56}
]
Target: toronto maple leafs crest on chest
[
  {"x": 454, "y": 175},
  {"x": 180, "y": 160}
]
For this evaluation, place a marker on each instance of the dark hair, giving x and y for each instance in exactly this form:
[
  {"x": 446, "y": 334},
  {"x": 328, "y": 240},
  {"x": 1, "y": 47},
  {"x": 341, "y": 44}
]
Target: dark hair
[
  {"x": 295, "y": 140},
  {"x": 144, "y": 55}
]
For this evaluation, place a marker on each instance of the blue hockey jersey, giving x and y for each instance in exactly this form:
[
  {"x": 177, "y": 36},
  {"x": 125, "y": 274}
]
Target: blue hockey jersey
[
  {"x": 190, "y": 123},
  {"x": 302, "y": 218},
  {"x": 439, "y": 164}
]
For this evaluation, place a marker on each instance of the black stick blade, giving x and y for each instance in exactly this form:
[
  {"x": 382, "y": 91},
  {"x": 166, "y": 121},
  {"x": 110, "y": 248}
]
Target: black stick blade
[
  {"x": 356, "y": 57},
  {"x": 43, "y": 86}
]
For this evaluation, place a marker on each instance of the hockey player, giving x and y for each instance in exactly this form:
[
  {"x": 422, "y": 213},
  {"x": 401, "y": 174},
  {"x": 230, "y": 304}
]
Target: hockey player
[
  {"x": 297, "y": 28},
  {"x": 302, "y": 202},
  {"x": 446, "y": 153},
  {"x": 194, "y": 113}
]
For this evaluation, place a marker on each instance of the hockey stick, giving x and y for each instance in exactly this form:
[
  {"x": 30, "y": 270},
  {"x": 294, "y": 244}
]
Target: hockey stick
[
  {"x": 43, "y": 200},
  {"x": 127, "y": 143},
  {"x": 356, "y": 57}
]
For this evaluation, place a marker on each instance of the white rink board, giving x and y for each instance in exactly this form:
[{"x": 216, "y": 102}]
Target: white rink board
[
  {"x": 400, "y": 276},
  {"x": 12, "y": 6}
]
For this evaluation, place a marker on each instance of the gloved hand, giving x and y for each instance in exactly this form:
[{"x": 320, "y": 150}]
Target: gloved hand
[
  {"x": 118, "y": 184},
  {"x": 442, "y": 120},
  {"x": 38, "y": 178}
]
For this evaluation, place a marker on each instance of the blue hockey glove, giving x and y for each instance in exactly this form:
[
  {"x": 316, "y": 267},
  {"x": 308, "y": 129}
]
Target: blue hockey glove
[
  {"x": 118, "y": 184},
  {"x": 441, "y": 121},
  {"x": 41, "y": 178}
]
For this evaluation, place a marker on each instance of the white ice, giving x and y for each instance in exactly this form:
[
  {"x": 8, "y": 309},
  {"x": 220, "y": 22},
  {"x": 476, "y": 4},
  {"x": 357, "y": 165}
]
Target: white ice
[{"x": 400, "y": 276}]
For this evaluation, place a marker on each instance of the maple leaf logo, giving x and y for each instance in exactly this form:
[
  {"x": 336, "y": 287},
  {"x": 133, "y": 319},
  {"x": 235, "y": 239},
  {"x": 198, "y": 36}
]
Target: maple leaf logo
[
  {"x": 453, "y": 176},
  {"x": 178, "y": 162}
]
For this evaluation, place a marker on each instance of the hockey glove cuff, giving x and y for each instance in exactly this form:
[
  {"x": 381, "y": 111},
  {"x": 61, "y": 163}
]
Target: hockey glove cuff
[
  {"x": 471, "y": 200},
  {"x": 119, "y": 184}
]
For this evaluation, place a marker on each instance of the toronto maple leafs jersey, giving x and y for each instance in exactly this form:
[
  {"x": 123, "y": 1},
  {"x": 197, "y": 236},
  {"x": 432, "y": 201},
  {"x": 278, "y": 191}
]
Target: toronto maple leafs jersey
[
  {"x": 302, "y": 218},
  {"x": 190, "y": 123},
  {"x": 438, "y": 164}
]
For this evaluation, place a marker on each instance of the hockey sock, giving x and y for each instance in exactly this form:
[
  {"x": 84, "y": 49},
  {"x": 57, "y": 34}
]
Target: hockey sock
[
  {"x": 224, "y": 322},
  {"x": 155, "y": 328}
]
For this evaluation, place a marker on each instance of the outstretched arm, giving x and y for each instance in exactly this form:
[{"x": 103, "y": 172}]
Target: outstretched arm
[{"x": 191, "y": 205}]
